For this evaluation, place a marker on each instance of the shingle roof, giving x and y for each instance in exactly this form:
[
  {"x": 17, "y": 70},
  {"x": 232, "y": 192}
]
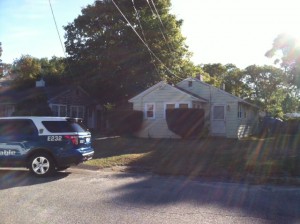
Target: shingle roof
[{"x": 13, "y": 96}]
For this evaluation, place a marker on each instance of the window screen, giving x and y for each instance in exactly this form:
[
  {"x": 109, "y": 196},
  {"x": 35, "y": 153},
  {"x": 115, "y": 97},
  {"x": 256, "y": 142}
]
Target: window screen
[{"x": 218, "y": 112}]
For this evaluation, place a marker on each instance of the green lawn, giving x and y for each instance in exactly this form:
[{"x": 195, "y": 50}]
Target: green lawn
[{"x": 211, "y": 157}]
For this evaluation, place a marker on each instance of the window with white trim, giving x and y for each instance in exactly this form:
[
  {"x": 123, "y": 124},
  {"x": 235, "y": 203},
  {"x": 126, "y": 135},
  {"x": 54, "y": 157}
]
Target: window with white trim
[
  {"x": 77, "y": 111},
  {"x": 176, "y": 105},
  {"x": 183, "y": 105},
  {"x": 150, "y": 111},
  {"x": 59, "y": 110}
]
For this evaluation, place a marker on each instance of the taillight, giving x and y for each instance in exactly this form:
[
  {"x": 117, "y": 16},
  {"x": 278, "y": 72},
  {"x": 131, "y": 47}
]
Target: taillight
[{"x": 72, "y": 138}]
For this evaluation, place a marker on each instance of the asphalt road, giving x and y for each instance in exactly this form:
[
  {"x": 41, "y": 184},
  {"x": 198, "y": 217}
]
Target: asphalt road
[{"x": 84, "y": 196}]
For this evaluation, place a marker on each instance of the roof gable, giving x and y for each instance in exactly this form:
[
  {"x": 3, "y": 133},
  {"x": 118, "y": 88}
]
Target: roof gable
[
  {"x": 240, "y": 100},
  {"x": 163, "y": 84}
]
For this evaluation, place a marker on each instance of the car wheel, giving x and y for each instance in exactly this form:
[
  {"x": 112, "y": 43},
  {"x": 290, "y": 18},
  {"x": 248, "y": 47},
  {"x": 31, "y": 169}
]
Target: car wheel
[{"x": 41, "y": 165}]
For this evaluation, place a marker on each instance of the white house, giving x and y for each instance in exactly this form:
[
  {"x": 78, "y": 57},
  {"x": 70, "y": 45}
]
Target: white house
[{"x": 226, "y": 115}]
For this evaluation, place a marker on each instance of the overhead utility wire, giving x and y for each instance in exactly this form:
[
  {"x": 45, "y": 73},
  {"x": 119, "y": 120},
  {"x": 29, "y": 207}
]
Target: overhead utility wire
[
  {"x": 143, "y": 33},
  {"x": 164, "y": 29},
  {"x": 62, "y": 46},
  {"x": 160, "y": 20},
  {"x": 169, "y": 70},
  {"x": 162, "y": 33}
]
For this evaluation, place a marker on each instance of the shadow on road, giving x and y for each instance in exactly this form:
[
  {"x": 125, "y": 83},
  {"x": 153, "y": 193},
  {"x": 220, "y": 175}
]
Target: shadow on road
[
  {"x": 10, "y": 178},
  {"x": 264, "y": 202}
]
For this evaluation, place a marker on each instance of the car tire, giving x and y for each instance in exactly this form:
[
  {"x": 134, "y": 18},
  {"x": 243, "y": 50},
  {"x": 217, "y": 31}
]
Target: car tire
[
  {"x": 41, "y": 165},
  {"x": 62, "y": 168}
]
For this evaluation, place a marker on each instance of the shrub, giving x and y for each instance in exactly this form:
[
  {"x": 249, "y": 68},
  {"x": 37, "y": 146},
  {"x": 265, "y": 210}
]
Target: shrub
[
  {"x": 124, "y": 122},
  {"x": 291, "y": 126},
  {"x": 186, "y": 123}
]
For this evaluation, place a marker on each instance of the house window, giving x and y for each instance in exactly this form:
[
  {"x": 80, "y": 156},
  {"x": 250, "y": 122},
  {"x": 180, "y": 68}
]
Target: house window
[
  {"x": 59, "y": 110},
  {"x": 218, "y": 113},
  {"x": 239, "y": 111},
  {"x": 245, "y": 112},
  {"x": 77, "y": 111},
  {"x": 176, "y": 105},
  {"x": 150, "y": 111},
  {"x": 170, "y": 106},
  {"x": 183, "y": 105},
  {"x": 7, "y": 110},
  {"x": 196, "y": 105}
]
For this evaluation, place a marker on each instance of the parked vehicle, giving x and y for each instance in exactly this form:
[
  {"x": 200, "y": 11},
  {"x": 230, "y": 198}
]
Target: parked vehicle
[{"x": 43, "y": 144}]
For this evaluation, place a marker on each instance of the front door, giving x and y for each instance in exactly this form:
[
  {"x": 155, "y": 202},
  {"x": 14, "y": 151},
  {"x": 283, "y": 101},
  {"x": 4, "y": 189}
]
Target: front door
[{"x": 218, "y": 126}]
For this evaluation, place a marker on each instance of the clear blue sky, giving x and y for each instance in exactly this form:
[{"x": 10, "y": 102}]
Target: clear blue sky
[{"x": 217, "y": 31}]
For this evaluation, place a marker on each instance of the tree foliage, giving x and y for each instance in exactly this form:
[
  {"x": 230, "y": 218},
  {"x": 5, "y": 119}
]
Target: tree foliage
[
  {"x": 286, "y": 51},
  {"x": 268, "y": 87},
  {"x": 107, "y": 53},
  {"x": 28, "y": 69},
  {"x": 228, "y": 76}
]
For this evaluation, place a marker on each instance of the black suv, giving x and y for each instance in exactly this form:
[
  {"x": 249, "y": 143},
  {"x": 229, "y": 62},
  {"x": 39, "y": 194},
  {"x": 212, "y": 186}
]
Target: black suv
[{"x": 43, "y": 144}]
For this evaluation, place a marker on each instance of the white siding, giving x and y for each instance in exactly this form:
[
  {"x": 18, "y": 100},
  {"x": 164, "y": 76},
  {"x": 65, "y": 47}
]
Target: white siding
[
  {"x": 235, "y": 127},
  {"x": 163, "y": 93},
  {"x": 158, "y": 128}
]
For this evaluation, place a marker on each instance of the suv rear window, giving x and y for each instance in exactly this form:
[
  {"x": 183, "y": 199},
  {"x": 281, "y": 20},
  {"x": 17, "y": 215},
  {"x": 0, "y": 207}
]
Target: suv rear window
[{"x": 63, "y": 126}]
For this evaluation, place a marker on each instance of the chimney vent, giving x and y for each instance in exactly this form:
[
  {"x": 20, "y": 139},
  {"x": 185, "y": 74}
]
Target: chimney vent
[
  {"x": 199, "y": 76},
  {"x": 40, "y": 83}
]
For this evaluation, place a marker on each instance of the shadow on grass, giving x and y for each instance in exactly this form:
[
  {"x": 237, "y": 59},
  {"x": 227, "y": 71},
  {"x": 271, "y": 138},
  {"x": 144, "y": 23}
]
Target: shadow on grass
[
  {"x": 228, "y": 159},
  {"x": 10, "y": 178}
]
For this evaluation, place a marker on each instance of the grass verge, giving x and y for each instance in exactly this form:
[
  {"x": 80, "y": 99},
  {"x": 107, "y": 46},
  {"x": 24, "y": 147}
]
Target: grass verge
[{"x": 209, "y": 157}]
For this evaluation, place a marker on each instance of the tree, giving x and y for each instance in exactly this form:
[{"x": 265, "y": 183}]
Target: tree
[
  {"x": 286, "y": 51},
  {"x": 106, "y": 53},
  {"x": 228, "y": 75},
  {"x": 28, "y": 69},
  {"x": 268, "y": 87}
]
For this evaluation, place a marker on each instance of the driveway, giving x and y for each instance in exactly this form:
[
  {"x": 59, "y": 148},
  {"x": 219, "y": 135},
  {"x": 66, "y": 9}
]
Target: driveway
[{"x": 85, "y": 196}]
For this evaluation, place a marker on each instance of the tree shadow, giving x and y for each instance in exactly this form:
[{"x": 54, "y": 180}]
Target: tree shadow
[
  {"x": 10, "y": 178},
  {"x": 269, "y": 203}
]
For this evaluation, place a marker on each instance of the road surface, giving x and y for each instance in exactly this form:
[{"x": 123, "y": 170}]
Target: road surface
[{"x": 85, "y": 196}]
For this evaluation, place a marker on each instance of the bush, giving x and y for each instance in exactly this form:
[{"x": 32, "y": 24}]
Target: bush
[
  {"x": 291, "y": 126},
  {"x": 124, "y": 122},
  {"x": 186, "y": 123}
]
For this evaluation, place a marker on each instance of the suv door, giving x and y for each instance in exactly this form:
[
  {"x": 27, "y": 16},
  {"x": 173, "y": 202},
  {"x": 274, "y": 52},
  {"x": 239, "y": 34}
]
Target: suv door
[{"x": 17, "y": 137}]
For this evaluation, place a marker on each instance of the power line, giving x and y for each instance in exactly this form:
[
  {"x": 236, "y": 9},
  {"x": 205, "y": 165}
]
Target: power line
[
  {"x": 143, "y": 33},
  {"x": 62, "y": 46},
  {"x": 169, "y": 70},
  {"x": 171, "y": 49}
]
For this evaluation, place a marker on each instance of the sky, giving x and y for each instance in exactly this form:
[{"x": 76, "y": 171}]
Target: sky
[{"x": 216, "y": 31}]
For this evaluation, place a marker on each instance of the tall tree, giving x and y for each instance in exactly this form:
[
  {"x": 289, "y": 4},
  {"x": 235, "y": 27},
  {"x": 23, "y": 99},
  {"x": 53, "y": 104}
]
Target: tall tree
[
  {"x": 228, "y": 75},
  {"x": 286, "y": 51},
  {"x": 28, "y": 69},
  {"x": 104, "y": 49},
  {"x": 268, "y": 86}
]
